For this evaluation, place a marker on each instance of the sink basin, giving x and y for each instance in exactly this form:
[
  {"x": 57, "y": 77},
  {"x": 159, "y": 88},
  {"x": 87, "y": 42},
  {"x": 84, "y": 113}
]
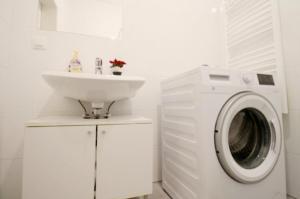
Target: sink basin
[{"x": 93, "y": 88}]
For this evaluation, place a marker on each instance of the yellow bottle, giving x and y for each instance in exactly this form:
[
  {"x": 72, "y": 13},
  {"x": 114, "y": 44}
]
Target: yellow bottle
[{"x": 75, "y": 64}]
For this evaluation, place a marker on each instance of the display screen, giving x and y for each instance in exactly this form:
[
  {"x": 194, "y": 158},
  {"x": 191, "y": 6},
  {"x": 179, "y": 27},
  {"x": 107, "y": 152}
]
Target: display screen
[{"x": 264, "y": 79}]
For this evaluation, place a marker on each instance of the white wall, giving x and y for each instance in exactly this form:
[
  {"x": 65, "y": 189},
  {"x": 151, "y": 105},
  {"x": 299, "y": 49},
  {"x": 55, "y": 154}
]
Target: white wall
[
  {"x": 160, "y": 38},
  {"x": 290, "y": 20}
]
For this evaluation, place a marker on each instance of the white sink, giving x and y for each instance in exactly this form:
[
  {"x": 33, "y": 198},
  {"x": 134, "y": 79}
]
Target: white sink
[{"x": 93, "y": 88}]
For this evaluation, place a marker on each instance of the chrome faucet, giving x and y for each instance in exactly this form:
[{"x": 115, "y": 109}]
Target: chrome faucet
[{"x": 98, "y": 66}]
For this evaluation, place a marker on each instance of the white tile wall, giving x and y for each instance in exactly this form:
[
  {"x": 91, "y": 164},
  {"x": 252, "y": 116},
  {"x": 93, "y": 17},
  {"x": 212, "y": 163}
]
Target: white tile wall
[
  {"x": 6, "y": 10},
  {"x": 293, "y": 132},
  {"x": 10, "y": 179},
  {"x": 5, "y": 31},
  {"x": 293, "y": 175},
  {"x": 293, "y": 74},
  {"x": 160, "y": 38},
  {"x": 289, "y": 11}
]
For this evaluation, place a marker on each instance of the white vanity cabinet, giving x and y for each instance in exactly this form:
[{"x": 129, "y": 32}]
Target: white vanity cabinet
[
  {"x": 124, "y": 160},
  {"x": 59, "y": 162},
  {"x": 72, "y": 158}
]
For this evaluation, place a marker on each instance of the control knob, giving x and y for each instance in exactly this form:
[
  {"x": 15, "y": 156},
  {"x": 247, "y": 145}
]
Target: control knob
[{"x": 247, "y": 79}]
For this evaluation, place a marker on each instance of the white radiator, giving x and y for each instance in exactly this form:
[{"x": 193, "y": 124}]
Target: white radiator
[{"x": 253, "y": 38}]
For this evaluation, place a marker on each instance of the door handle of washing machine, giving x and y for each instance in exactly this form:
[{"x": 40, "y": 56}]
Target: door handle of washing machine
[{"x": 273, "y": 134}]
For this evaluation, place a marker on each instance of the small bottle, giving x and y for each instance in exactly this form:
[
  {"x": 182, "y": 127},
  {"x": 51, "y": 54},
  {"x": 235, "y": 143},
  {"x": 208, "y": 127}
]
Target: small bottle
[{"x": 75, "y": 64}]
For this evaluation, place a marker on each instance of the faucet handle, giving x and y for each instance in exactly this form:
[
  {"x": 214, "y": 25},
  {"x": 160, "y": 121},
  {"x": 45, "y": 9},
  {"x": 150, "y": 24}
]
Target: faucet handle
[
  {"x": 98, "y": 62},
  {"x": 98, "y": 66}
]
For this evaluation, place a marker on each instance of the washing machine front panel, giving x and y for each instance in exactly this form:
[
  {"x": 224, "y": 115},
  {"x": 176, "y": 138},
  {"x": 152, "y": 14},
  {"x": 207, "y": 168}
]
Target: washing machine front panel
[{"x": 248, "y": 137}]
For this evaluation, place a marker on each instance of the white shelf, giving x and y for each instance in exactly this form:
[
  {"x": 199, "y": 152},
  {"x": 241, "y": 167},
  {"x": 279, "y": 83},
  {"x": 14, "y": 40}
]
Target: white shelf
[{"x": 78, "y": 121}]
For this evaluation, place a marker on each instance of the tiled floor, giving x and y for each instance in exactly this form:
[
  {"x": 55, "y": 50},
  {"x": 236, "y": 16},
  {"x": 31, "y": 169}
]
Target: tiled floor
[{"x": 158, "y": 193}]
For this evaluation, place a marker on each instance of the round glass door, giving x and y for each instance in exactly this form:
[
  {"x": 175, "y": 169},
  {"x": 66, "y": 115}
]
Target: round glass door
[{"x": 248, "y": 137}]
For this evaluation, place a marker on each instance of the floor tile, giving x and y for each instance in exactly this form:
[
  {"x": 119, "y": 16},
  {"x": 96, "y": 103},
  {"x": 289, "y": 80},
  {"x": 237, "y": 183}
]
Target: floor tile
[{"x": 158, "y": 192}]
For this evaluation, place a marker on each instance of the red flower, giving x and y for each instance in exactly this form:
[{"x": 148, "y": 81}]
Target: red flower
[{"x": 117, "y": 63}]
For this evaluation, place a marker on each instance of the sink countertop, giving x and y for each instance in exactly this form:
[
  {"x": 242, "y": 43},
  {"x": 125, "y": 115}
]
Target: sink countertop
[
  {"x": 93, "y": 88},
  {"x": 79, "y": 121}
]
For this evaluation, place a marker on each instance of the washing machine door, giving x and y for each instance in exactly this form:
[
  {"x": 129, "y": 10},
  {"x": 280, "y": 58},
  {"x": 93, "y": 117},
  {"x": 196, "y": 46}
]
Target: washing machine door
[{"x": 248, "y": 137}]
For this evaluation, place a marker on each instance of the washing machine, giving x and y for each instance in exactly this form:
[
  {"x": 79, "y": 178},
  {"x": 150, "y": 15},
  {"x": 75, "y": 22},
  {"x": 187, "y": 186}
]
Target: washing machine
[{"x": 222, "y": 135}]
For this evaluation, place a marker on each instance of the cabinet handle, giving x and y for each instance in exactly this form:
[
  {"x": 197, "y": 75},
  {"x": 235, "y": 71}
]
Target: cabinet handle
[
  {"x": 103, "y": 132},
  {"x": 89, "y": 132}
]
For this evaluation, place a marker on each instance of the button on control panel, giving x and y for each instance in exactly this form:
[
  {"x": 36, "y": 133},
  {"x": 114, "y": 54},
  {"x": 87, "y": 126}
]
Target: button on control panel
[{"x": 247, "y": 79}]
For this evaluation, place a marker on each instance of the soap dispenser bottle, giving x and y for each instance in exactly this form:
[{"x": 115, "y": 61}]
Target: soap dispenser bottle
[{"x": 75, "y": 64}]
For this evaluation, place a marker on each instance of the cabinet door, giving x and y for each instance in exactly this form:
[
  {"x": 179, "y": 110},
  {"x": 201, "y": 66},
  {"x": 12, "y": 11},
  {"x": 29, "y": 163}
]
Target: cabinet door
[
  {"x": 59, "y": 162},
  {"x": 124, "y": 161}
]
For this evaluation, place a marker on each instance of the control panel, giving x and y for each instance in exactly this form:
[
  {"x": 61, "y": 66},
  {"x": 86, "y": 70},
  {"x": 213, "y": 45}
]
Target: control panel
[{"x": 264, "y": 79}]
